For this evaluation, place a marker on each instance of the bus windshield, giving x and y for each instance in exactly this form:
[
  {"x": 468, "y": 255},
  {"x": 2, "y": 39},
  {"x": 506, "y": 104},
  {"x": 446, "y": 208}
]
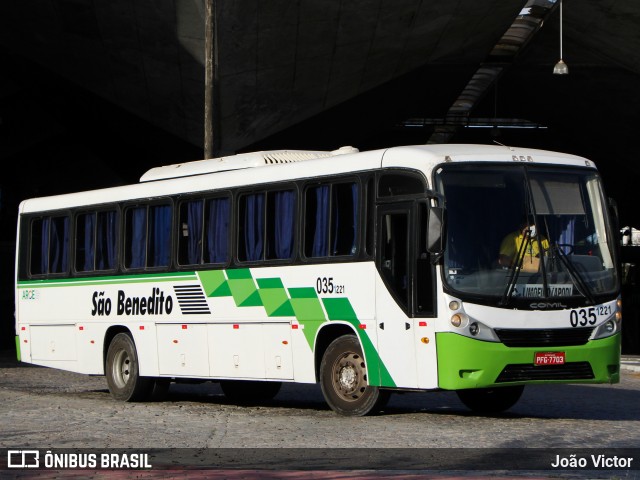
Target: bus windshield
[{"x": 528, "y": 232}]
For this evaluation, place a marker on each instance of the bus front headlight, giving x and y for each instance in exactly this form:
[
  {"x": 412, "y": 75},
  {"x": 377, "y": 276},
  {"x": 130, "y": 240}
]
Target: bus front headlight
[
  {"x": 607, "y": 329},
  {"x": 479, "y": 331}
]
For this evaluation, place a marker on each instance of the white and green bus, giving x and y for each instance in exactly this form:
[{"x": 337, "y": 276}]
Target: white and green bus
[{"x": 367, "y": 272}]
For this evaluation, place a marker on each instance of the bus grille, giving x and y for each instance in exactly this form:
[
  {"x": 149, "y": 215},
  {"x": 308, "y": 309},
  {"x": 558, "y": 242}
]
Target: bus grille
[
  {"x": 524, "y": 372},
  {"x": 564, "y": 337}
]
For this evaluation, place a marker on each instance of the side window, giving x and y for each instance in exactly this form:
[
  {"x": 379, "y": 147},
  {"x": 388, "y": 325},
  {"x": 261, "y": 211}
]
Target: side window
[
  {"x": 96, "y": 241},
  {"x": 148, "y": 236},
  {"x": 85, "y": 242},
  {"x": 425, "y": 271},
  {"x": 371, "y": 218},
  {"x": 217, "y": 215},
  {"x": 204, "y": 231},
  {"x": 251, "y": 227},
  {"x": 159, "y": 252},
  {"x": 135, "y": 252},
  {"x": 281, "y": 214},
  {"x": 38, "y": 243},
  {"x": 50, "y": 245},
  {"x": 106, "y": 240},
  {"x": 331, "y": 220},
  {"x": 398, "y": 183},
  {"x": 266, "y": 226},
  {"x": 190, "y": 234}
]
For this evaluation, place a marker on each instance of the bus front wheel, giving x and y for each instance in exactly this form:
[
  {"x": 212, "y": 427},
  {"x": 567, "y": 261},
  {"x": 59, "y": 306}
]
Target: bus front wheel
[
  {"x": 122, "y": 371},
  {"x": 343, "y": 378},
  {"x": 490, "y": 400}
]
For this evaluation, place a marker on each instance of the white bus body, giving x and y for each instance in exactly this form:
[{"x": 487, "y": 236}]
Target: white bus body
[{"x": 273, "y": 319}]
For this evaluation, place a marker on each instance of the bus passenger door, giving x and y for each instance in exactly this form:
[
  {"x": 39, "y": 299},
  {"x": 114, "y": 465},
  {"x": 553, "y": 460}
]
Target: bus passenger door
[{"x": 394, "y": 326}]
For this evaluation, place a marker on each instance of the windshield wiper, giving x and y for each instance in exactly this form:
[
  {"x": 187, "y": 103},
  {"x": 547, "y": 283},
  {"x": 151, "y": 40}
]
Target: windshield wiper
[
  {"x": 581, "y": 285},
  {"x": 514, "y": 269}
]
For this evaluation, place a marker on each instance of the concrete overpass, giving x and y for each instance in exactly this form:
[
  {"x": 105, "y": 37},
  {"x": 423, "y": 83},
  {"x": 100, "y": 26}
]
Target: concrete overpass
[{"x": 281, "y": 62}]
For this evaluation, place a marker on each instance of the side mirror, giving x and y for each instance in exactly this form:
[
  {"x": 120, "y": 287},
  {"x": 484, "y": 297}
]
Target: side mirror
[{"x": 436, "y": 231}]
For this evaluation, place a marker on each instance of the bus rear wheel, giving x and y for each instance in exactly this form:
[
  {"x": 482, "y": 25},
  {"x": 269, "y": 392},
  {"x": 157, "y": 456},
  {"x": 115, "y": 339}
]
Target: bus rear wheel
[
  {"x": 343, "y": 378},
  {"x": 122, "y": 371},
  {"x": 490, "y": 400}
]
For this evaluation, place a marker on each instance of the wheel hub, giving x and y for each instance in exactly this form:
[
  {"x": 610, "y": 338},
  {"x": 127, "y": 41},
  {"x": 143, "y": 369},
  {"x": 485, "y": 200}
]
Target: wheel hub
[
  {"x": 121, "y": 368},
  {"x": 349, "y": 376}
]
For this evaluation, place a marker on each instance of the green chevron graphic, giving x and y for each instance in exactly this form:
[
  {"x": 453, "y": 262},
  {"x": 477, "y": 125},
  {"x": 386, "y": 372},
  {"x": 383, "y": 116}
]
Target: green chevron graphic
[{"x": 302, "y": 303}]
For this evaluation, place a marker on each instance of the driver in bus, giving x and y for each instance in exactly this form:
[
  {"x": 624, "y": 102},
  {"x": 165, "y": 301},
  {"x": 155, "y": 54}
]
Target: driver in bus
[{"x": 512, "y": 243}]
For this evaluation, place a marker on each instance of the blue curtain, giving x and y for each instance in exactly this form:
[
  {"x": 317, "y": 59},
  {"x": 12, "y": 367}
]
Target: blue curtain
[
  {"x": 59, "y": 246},
  {"x": 217, "y": 230},
  {"x": 564, "y": 230},
  {"x": 138, "y": 246},
  {"x": 284, "y": 221},
  {"x": 194, "y": 231},
  {"x": 254, "y": 226},
  {"x": 160, "y": 245},
  {"x": 341, "y": 224},
  {"x": 321, "y": 234},
  {"x": 44, "y": 250},
  {"x": 336, "y": 213},
  {"x": 89, "y": 250},
  {"x": 106, "y": 240}
]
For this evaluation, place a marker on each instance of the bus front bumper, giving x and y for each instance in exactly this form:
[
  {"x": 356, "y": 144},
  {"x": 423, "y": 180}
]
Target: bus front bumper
[{"x": 467, "y": 363}]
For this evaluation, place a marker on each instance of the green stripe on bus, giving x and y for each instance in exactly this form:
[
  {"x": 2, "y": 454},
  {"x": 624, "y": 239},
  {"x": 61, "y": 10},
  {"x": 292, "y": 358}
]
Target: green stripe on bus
[
  {"x": 73, "y": 282},
  {"x": 304, "y": 292},
  {"x": 214, "y": 283},
  {"x": 274, "y": 297}
]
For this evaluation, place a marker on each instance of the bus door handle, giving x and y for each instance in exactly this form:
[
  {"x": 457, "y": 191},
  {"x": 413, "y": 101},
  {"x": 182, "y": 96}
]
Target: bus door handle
[{"x": 381, "y": 325}]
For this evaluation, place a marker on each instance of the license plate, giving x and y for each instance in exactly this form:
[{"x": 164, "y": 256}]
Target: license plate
[{"x": 549, "y": 358}]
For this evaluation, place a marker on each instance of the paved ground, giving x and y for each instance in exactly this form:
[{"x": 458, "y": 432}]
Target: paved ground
[{"x": 44, "y": 408}]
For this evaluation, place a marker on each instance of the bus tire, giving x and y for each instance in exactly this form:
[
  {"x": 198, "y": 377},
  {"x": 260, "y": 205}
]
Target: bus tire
[
  {"x": 343, "y": 379},
  {"x": 244, "y": 391},
  {"x": 490, "y": 400},
  {"x": 122, "y": 371}
]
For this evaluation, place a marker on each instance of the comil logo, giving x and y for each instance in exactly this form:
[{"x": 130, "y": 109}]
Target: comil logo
[{"x": 23, "y": 459}]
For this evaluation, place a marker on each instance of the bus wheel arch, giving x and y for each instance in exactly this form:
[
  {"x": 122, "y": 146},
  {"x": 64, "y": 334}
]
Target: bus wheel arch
[
  {"x": 344, "y": 382},
  {"x": 121, "y": 368},
  {"x": 325, "y": 336},
  {"x": 108, "y": 337}
]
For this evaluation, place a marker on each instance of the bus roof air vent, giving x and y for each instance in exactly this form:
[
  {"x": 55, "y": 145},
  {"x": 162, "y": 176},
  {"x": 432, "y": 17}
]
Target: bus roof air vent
[{"x": 238, "y": 162}]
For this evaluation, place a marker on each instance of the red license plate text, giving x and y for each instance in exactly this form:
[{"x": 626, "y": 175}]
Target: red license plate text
[{"x": 549, "y": 358}]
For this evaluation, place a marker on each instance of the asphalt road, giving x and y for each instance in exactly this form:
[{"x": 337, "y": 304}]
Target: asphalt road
[{"x": 42, "y": 407}]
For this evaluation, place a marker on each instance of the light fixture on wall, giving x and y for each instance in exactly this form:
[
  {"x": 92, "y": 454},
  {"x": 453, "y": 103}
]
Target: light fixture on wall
[{"x": 560, "y": 68}]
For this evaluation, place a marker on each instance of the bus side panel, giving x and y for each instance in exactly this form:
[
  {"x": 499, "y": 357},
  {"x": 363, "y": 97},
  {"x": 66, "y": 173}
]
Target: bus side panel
[
  {"x": 237, "y": 350},
  {"x": 53, "y": 343},
  {"x": 90, "y": 341},
  {"x": 182, "y": 350}
]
